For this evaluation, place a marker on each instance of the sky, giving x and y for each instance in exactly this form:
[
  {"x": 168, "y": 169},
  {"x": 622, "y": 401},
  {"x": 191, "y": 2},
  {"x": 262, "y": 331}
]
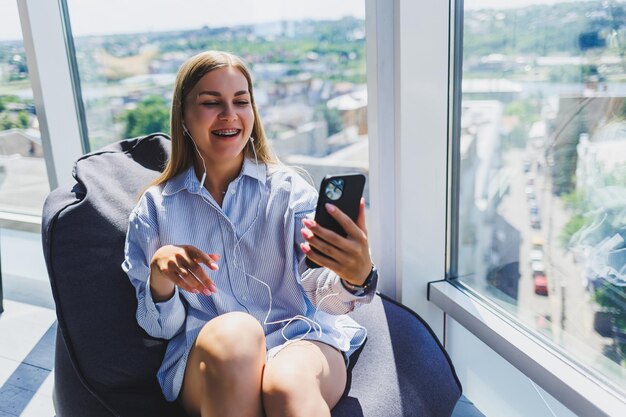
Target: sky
[{"x": 128, "y": 16}]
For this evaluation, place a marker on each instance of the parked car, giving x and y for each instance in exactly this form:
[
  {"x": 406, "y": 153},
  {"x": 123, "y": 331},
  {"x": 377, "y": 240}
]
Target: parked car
[
  {"x": 535, "y": 221},
  {"x": 536, "y": 255},
  {"x": 537, "y": 266},
  {"x": 540, "y": 283}
]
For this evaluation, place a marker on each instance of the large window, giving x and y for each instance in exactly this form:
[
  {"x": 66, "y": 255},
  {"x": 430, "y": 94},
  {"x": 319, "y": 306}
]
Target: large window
[
  {"x": 307, "y": 59},
  {"x": 542, "y": 181},
  {"x": 23, "y": 177}
]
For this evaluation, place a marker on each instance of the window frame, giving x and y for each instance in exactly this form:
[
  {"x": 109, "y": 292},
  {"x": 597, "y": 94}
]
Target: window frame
[
  {"x": 579, "y": 388},
  {"x": 53, "y": 89}
]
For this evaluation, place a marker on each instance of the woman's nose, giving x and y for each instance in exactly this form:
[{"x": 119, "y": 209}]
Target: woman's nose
[{"x": 228, "y": 114}]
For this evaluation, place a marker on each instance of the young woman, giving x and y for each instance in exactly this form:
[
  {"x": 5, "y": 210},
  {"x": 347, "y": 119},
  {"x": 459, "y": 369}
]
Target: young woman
[{"x": 215, "y": 250}]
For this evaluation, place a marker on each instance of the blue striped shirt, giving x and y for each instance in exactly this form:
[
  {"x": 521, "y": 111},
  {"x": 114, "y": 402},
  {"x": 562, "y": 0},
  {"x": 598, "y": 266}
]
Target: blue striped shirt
[{"x": 256, "y": 232}]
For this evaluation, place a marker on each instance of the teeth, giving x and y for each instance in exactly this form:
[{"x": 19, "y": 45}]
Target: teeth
[{"x": 228, "y": 132}]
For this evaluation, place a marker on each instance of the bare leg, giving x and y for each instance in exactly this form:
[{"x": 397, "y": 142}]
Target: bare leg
[
  {"x": 305, "y": 379},
  {"x": 225, "y": 367}
]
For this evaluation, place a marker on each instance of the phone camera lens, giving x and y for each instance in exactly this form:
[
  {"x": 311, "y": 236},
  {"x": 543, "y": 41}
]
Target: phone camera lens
[{"x": 334, "y": 189}]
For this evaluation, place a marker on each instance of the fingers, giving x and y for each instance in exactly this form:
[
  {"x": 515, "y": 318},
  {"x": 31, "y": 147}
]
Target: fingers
[
  {"x": 347, "y": 256},
  {"x": 331, "y": 251},
  {"x": 351, "y": 228},
  {"x": 353, "y": 269},
  {"x": 190, "y": 276},
  {"x": 202, "y": 283},
  {"x": 318, "y": 258},
  {"x": 360, "y": 220},
  {"x": 356, "y": 238},
  {"x": 197, "y": 255},
  {"x": 182, "y": 266},
  {"x": 192, "y": 263}
]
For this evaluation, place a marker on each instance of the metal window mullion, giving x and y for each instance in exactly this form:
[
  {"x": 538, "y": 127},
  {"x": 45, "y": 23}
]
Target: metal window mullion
[
  {"x": 53, "y": 91},
  {"x": 75, "y": 76},
  {"x": 454, "y": 137}
]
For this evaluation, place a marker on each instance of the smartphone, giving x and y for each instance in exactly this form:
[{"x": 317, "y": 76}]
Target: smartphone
[{"x": 344, "y": 191}]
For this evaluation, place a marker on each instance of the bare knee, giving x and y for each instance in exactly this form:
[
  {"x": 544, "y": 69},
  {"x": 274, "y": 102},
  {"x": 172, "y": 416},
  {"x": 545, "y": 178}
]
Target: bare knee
[
  {"x": 287, "y": 385},
  {"x": 231, "y": 337}
]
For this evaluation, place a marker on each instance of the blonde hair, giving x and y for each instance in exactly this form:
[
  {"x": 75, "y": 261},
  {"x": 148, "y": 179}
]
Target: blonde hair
[{"x": 189, "y": 74}]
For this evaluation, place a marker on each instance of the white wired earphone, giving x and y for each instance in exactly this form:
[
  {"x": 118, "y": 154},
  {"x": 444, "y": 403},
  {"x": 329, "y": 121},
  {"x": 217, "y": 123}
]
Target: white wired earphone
[{"x": 313, "y": 325}]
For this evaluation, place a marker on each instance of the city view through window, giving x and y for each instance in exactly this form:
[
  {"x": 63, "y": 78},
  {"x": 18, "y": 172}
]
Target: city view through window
[
  {"x": 23, "y": 176},
  {"x": 309, "y": 80},
  {"x": 308, "y": 65},
  {"x": 542, "y": 204}
]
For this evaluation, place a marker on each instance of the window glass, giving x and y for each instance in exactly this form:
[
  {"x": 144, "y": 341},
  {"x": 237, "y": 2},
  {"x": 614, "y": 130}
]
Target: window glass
[
  {"x": 542, "y": 200},
  {"x": 23, "y": 176},
  {"x": 307, "y": 60}
]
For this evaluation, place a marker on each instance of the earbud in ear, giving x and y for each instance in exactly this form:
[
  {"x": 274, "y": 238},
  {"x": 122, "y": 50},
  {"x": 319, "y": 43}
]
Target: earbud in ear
[{"x": 251, "y": 139}]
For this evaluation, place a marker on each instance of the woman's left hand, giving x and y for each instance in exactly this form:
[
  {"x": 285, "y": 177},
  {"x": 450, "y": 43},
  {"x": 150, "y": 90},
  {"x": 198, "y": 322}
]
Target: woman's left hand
[{"x": 348, "y": 257}]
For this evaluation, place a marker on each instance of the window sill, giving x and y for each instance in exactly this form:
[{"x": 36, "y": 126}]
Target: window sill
[
  {"x": 578, "y": 390},
  {"x": 19, "y": 221}
]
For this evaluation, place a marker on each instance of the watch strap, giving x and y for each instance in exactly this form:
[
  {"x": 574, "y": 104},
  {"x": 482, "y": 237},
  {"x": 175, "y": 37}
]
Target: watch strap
[{"x": 363, "y": 289}]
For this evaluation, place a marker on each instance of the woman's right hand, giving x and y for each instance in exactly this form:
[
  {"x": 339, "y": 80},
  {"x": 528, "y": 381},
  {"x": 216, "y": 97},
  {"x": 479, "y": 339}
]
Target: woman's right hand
[{"x": 179, "y": 265}]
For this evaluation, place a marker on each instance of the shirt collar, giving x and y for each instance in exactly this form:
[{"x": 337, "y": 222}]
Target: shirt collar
[{"x": 187, "y": 179}]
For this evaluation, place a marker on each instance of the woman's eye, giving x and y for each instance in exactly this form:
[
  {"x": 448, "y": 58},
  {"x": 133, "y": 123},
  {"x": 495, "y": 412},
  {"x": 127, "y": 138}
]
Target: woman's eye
[
  {"x": 242, "y": 103},
  {"x": 210, "y": 103}
]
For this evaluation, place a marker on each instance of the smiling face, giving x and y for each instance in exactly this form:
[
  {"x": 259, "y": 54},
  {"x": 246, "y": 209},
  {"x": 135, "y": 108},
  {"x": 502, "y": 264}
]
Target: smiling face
[{"x": 218, "y": 114}]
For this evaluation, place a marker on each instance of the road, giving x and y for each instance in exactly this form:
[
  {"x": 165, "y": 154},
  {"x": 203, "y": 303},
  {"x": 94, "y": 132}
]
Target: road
[{"x": 566, "y": 314}]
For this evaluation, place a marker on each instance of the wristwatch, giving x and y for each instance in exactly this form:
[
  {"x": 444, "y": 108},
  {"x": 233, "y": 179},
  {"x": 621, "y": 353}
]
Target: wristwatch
[{"x": 369, "y": 283}]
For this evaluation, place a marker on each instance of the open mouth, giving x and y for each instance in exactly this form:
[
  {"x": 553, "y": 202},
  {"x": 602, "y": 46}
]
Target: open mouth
[{"x": 226, "y": 133}]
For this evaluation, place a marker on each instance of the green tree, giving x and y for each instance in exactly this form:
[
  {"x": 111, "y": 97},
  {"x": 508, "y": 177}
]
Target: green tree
[
  {"x": 333, "y": 120},
  {"x": 613, "y": 298},
  {"x": 565, "y": 155},
  {"x": 621, "y": 113},
  {"x": 151, "y": 115},
  {"x": 5, "y": 122},
  {"x": 23, "y": 121},
  {"x": 573, "y": 225},
  {"x": 4, "y": 100}
]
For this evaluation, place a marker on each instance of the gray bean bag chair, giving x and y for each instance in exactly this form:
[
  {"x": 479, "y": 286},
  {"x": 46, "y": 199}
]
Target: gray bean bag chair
[{"x": 105, "y": 364}]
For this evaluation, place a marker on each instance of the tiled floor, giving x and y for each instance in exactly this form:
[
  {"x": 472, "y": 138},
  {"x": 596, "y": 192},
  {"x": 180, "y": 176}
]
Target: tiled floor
[{"x": 27, "y": 335}]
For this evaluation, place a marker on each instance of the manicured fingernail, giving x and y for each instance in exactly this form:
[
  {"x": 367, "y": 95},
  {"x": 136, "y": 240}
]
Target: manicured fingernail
[
  {"x": 305, "y": 233},
  {"x": 214, "y": 266},
  {"x": 307, "y": 222},
  {"x": 195, "y": 291},
  {"x": 212, "y": 287},
  {"x": 206, "y": 291},
  {"x": 329, "y": 207},
  {"x": 305, "y": 248}
]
